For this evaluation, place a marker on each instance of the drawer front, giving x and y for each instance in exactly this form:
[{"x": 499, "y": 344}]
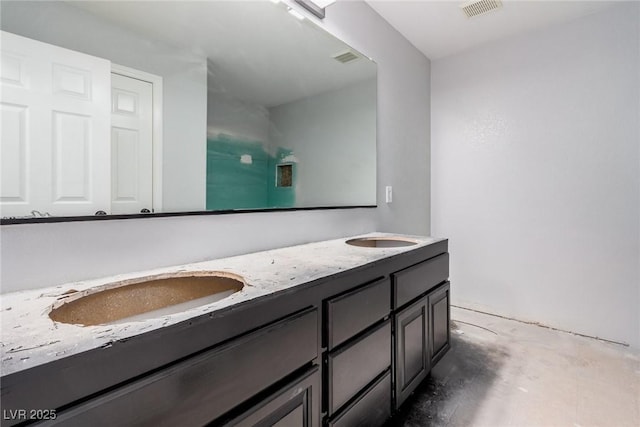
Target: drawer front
[
  {"x": 353, "y": 367},
  {"x": 371, "y": 410},
  {"x": 418, "y": 279},
  {"x": 295, "y": 405},
  {"x": 354, "y": 311},
  {"x": 203, "y": 387}
]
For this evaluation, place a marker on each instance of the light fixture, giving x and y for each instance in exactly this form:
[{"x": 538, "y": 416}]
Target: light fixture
[
  {"x": 316, "y": 6},
  {"x": 323, "y": 3}
]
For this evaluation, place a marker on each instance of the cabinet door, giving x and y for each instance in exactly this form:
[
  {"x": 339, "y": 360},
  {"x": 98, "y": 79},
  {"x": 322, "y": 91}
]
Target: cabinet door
[
  {"x": 439, "y": 320},
  {"x": 295, "y": 405},
  {"x": 411, "y": 349}
]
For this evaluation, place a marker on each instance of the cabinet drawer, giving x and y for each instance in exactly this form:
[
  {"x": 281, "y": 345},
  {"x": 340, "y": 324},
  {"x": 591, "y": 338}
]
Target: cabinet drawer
[
  {"x": 350, "y": 369},
  {"x": 418, "y": 279},
  {"x": 296, "y": 404},
  {"x": 356, "y": 310},
  {"x": 372, "y": 409},
  {"x": 203, "y": 387}
]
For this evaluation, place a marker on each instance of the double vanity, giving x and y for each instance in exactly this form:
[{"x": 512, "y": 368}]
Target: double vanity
[
  {"x": 335, "y": 333},
  {"x": 186, "y": 114}
]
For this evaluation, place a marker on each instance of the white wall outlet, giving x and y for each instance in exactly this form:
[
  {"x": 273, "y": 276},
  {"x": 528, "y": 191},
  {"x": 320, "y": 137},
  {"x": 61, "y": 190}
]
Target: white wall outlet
[{"x": 388, "y": 194}]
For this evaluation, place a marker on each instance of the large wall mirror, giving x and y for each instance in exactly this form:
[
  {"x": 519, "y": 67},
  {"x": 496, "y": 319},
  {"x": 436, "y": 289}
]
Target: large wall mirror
[{"x": 129, "y": 107}]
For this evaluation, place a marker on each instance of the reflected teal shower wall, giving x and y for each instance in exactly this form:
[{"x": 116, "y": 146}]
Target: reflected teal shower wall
[{"x": 234, "y": 184}]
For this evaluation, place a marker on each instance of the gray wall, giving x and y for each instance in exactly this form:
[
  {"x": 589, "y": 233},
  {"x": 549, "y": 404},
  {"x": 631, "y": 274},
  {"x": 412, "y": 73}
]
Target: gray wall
[
  {"x": 252, "y": 123},
  {"x": 332, "y": 136},
  {"x": 40, "y": 255},
  {"x": 403, "y": 115},
  {"x": 184, "y": 85},
  {"x": 536, "y": 174}
]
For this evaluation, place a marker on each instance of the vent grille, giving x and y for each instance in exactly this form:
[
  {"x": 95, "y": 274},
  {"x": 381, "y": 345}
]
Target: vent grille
[
  {"x": 479, "y": 7},
  {"x": 345, "y": 57}
]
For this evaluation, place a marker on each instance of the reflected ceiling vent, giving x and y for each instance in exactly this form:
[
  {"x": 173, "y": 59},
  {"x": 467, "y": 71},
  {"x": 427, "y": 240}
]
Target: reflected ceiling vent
[
  {"x": 346, "y": 57},
  {"x": 480, "y": 7}
]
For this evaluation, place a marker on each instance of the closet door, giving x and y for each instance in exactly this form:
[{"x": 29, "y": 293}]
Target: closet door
[
  {"x": 55, "y": 129},
  {"x": 132, "y": 145}
]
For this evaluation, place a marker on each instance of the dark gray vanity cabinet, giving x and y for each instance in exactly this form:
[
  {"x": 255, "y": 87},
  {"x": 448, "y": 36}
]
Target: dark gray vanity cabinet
[
  {"x": 344, "y": 350},
  {"x": 358, "y": 360},
  {"x": 421, "y": 322}
]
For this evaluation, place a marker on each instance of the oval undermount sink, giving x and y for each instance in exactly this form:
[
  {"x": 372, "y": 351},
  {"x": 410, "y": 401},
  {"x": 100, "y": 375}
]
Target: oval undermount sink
[
  {"x": 144, "y": 298},
  {"x": 381, "y": 242}
]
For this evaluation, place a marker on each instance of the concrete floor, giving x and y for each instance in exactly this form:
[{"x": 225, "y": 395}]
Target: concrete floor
[{"x": 502, "y": 372}]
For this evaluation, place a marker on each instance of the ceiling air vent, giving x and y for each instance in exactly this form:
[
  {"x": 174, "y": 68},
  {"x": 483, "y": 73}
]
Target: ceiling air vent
[
  {"x": 478, "y": 7},
  {"x": 345, "y": 57}
]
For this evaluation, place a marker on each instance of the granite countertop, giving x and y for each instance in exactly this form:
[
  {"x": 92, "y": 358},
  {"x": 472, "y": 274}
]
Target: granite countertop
[{"x": 30, "y": 338}]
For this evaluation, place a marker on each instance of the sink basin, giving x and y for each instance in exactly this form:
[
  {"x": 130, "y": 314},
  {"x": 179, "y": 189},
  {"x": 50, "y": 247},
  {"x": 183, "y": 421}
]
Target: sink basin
[
  {"x": 381, "y": 242},
  {"x": 145, "y": 298}
]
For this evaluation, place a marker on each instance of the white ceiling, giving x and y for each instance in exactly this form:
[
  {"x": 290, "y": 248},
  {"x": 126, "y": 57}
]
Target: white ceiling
[
  {"x": 440, "y": 28},
  {"x": 252, "y": 46}
]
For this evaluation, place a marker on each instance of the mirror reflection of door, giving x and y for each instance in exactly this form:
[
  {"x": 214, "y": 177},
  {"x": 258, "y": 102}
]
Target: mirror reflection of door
[
  {"x": 58, "y": 159},
  {"x": 55, "y": 121},
  {"x": 293, "y": 93},
  {"x": 131, "y": 145}
]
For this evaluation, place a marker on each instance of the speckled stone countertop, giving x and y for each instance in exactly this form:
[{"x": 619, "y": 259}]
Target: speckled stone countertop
[{"x": 30, "y": 338}]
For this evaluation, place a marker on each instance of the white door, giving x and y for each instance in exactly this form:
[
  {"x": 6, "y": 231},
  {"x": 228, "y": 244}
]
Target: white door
[
  {"x": 55, "y": 118},
  {"x": 131, "y": 145}
]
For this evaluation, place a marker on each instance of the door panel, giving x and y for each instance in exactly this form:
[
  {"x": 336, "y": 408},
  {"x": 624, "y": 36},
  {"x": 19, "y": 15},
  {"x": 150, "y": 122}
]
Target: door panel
[
  {"x": 131, "y": 145},
  {"x": 71, "y": 81},
  {"x": 439, "y": 323},
  {"x": 411, "y": 349},
  {"x": 125, "y": 156},
  {"x": 413, "y": 338},
  {"x": 13, "y": 154},
  {"x": 60, "y": 141},
  {"x": 71, "y": 167}
]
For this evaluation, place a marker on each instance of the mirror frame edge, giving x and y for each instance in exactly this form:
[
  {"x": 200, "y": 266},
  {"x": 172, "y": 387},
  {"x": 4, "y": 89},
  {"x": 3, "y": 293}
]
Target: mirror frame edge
[{"x": 57, "y": 219}]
